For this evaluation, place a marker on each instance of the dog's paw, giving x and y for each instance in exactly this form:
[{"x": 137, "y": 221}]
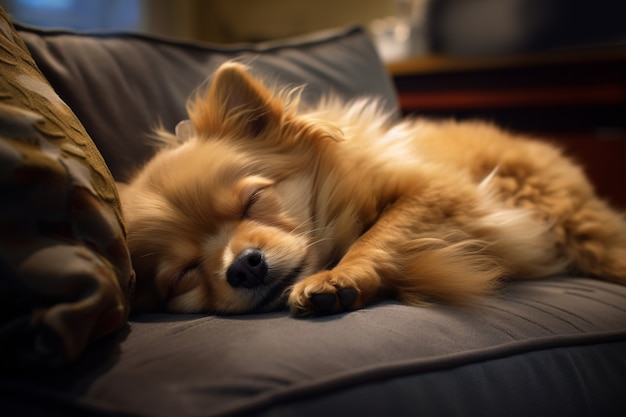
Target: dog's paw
[{"x": 324, "y": 293}]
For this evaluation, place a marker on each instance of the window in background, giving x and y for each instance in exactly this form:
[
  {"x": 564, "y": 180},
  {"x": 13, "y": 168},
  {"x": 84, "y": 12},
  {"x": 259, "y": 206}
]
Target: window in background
[{"x": 77, "y": 14}]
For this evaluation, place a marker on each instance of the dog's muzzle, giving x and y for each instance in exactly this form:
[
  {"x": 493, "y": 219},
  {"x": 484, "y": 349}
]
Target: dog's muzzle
[{"x": 248, "y": 270}]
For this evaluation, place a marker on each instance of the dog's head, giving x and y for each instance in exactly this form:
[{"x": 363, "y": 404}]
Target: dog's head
[{"x": 223, "y": 221}]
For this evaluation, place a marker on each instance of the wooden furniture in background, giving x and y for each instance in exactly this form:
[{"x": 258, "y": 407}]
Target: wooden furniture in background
[{"x": 576, "y": 99}]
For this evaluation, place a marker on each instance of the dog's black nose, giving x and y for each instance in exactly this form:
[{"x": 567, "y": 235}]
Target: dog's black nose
[{"x": 248, "y": 270}]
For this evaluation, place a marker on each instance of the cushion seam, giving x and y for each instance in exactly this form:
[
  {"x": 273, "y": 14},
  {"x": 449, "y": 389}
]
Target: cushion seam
[
  {"x": 413, "y": 367},
  {"x": 306, "y": 40}
]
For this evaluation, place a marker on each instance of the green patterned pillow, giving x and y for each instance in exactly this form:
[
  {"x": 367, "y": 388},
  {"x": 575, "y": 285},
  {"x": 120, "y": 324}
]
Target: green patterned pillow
[{"x": 65, "y": 273}]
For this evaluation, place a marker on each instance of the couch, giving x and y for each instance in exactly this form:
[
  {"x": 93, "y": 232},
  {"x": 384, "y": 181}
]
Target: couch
[{"x": 76, "y": 111}]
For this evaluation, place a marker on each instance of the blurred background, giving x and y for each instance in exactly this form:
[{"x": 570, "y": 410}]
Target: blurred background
[{"x": 401, "y": 28}]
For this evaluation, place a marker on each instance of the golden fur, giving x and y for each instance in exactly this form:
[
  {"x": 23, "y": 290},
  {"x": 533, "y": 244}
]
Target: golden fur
[{"x": 329, "y": 208}]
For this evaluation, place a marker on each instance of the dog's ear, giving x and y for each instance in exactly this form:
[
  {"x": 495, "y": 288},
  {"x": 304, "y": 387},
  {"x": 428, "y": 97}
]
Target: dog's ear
[{"x": 235, "y": 102}]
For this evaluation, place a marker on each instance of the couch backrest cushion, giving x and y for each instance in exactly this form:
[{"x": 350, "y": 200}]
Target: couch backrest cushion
[
  {"x": 122, "y": 86},
  {"x": 65, "y": 273}
]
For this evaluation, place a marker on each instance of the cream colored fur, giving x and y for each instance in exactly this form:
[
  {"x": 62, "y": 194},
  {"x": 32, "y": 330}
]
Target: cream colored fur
[{"x": 348, "y": 207}]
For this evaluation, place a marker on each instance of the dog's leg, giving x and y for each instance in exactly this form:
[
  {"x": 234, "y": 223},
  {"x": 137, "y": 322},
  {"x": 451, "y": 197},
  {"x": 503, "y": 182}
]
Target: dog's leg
[{"x": 414, "y": 251}]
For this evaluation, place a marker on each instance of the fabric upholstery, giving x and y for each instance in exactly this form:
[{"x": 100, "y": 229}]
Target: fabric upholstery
[
  {"x": 65, "y": 274},
  {"x": 330, "y": 366},
  {"x": 123, "y": 86},
  {"x": 546, "y": 347}
]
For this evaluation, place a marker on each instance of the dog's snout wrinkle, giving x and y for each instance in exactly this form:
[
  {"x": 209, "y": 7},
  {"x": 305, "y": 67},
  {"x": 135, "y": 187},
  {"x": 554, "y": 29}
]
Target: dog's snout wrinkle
[{"x": 248, "y": 270}]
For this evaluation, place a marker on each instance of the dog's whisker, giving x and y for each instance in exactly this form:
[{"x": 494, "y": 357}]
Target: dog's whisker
[
  {"x": 318, "y": 241},
  {"x": 305, "y": 233},
  {"x": 303, "y": 224},
  {"x": 308, "y": 233}
]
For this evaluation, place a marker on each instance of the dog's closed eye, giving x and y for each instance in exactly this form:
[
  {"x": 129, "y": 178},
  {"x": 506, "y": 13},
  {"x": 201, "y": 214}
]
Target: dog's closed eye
[
  {"x": 184, "y": 280},
  {"x": 253, "y": 198},
  {"x": 250, "y": 192}
]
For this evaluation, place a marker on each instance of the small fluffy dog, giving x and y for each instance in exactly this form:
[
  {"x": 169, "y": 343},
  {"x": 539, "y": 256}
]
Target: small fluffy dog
[{"x": 262, "y": 204}]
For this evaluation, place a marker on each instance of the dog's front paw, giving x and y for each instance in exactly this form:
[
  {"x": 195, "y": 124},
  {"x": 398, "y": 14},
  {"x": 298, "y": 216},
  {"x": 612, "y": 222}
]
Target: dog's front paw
[{"x": 324, "y": 293}]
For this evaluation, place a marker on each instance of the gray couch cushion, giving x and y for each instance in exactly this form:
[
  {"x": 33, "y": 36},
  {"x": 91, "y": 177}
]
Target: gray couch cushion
[
  {"x": 122, "y": 86},
  {"x": 547, "y": 347}
]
